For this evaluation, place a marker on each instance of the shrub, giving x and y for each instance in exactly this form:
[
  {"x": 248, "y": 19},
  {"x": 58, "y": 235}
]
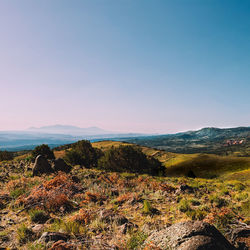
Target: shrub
[
  {"x": 53, "y": 194},
  {"x": 43, "y": 150},
  {"x": 83, "y": 153},
  {"x": 6, "y": 156},
  {"x": 129, "y": 159}
]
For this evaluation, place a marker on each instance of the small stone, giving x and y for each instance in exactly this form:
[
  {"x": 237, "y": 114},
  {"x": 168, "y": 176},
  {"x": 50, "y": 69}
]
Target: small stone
[{"x": 53, "y": 236}]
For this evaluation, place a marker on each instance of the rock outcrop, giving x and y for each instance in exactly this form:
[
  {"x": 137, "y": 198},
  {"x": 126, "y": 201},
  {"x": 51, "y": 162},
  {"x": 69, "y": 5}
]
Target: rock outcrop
[
  {"x": 60, "y": 165},
  {"x": 189, "y": 235},
  {"x": 41, "y": 166}
]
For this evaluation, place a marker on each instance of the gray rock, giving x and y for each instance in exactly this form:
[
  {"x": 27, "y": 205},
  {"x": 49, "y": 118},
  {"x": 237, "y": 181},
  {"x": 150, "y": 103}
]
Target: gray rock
[
  {"x": 41, "y": 166},
  {"x": 53, "y": 236},
  {"x": 189, "y": 235},
  {"x": 37, "y": 229},
  {"x": 60, "y": 165}
]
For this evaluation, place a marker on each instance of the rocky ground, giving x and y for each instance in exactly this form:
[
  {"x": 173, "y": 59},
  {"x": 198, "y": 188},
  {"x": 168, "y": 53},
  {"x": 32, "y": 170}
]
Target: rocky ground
[{"x": 92, "y": 209}]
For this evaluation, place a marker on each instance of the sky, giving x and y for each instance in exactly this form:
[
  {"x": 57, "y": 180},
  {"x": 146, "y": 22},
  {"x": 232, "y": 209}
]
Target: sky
[{"x": 151, "y": 66}]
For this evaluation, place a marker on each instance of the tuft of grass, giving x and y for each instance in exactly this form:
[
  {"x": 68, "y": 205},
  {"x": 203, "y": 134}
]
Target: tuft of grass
[
  {"x": 218, "y": 201},
  {"x": 38, "y": 216},
  {"x": 68, "y": 226},
  {"x": 24, "y": 234},
  {"x": 224, "y": 191},
  {"x": 17, "y": 192},
  {"x": 245, "y": 208},
  {"x": 36, "y": 246},
  {"x": 147, "y": 207},
  {"x": 73, "y": 227},
  {"x": 195, "y": 202},
  {"x": 239, "y": 187},
  {"x": 184, "y": 206},
  {"x": 136, "y": 240},
  {"x": 241, "y": 196},
  {"x": 197, "y": 214}
]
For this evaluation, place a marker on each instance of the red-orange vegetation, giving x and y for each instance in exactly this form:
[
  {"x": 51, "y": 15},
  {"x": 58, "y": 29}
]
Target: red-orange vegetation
[
  {"x": 94, "y": 197},
  {"x": 83, "y": 217},
  {"x": 126, "y": 197},
  {"x": 53, "y": 194},
  {"x": 162, "y": 186}
]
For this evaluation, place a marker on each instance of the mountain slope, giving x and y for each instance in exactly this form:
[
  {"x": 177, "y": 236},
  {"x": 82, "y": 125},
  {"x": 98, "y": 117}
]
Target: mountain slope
[{"x": 230, "y": 141}]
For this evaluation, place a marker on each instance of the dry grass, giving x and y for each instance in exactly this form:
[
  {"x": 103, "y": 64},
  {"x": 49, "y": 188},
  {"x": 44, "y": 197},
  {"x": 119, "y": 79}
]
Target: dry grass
[{"x": 76, "y": 207}]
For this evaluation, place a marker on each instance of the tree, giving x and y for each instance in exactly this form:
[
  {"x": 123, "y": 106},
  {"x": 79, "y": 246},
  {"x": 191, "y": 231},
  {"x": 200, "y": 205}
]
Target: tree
[
  {"x": 82, "y": 153},
  {"x": 129, "y": 159},
  {"x": 43, "y": 150}
]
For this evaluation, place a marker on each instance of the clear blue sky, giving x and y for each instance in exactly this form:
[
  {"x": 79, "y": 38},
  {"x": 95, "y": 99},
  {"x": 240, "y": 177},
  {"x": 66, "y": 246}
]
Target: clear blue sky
[{"x": 126, "y": 65}]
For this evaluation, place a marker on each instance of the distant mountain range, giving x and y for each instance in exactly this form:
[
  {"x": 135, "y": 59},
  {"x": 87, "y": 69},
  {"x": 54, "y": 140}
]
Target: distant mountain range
[
  {"x": 206, "y": 140},
  {"x": 69, "y": 130},
  {"x": 54, "y": 136}
]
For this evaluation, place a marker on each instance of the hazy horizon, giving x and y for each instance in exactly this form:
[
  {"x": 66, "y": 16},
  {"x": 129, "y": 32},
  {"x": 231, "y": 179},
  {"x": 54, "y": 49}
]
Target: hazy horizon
[{"x": 127, "y": 66}]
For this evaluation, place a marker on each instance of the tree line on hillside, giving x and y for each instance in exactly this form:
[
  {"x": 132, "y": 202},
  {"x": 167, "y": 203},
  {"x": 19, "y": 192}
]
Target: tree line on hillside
[{"x": 119, "y": 159}]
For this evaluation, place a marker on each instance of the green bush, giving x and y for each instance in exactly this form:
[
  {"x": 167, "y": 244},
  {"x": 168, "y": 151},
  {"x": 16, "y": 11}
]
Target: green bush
[
  {"x": 43, "y": 150},
  {"x": 83, "y": 153},
  {"x": 129, "y": 159},
  {"x": 6, "y": 156}
]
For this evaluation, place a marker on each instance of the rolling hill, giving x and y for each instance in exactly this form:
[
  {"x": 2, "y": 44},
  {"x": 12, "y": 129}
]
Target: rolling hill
[{"x": 229, "y": 141}]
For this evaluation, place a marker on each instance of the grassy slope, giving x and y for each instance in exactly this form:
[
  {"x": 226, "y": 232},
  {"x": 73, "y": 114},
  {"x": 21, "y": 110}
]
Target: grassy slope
[
  {"x": 216, "y": 201},
  {"x": 203, "y": 165}
]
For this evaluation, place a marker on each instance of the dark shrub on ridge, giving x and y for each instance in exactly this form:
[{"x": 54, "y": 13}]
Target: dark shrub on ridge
[
  {"x": 6, "y": 156},
  {"x": 83, "y": 153},
  {"x": 129, "y": 159},
  {"x": 43, "y": 150}
]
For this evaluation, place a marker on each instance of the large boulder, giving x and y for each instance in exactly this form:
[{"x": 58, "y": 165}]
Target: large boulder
[
  {"x": 60, "y": 165},
  {"x": 41, "y": 166},
  {"x": 189, "y": 235}
]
